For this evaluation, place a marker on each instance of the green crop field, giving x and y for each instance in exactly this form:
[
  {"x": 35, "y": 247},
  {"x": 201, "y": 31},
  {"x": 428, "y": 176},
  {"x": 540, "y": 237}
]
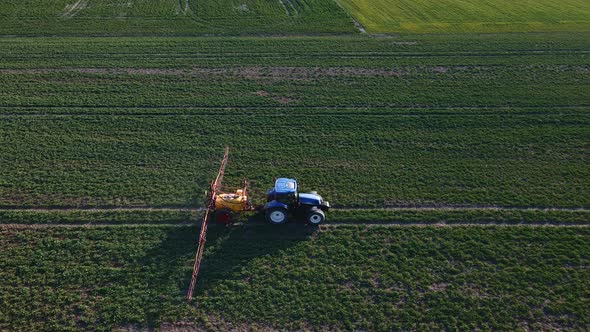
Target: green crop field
[
  {"x": 424, "y": 120},
  {"x": 452, "y": 140},
  {"x": 172, "y": 17},
  {"x": 155, "y": 160},
  {"x": 346, "y": 278},
  {"x": 469, "y": 16}
]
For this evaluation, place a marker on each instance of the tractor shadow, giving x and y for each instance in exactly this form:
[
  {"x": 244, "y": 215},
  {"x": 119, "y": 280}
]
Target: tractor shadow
[
  {"x": 230, "y": 248},
  {"x": 168, "y": 266}
]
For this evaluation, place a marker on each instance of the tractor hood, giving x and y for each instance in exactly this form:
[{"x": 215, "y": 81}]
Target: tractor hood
[{"x": 312, "y": 199}]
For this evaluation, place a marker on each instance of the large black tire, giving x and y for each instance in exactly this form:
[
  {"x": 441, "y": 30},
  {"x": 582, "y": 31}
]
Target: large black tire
[
  {"x": 276, "y": 216},
  {"x": 315, "y": 217}
]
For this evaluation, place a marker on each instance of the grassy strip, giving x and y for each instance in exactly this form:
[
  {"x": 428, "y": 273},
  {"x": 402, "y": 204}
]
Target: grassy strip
[
  {"x": 286, "y": 278},
  {"x": 98, "y": 217},
  {"x": 185, "y": 53},
  {"x": 459, "y": 216},
  {"x": 334, "y": 216},
  {"x": 415, "y": 86},
  {"x": 325, "y": 111}
]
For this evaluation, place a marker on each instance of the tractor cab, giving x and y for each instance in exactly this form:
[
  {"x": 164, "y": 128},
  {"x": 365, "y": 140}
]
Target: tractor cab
[
  {"x": 284, "y": 191},
  {"x": 283, "y": 201}
]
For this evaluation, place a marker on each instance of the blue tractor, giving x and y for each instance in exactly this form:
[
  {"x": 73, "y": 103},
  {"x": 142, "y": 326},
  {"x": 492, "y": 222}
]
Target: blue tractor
[{"x": 284, "y": 202}]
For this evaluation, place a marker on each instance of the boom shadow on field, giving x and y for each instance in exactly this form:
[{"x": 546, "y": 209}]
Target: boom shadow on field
[
  {"x": 228, "y": 250},
  {"x": 231, "y": 248}
]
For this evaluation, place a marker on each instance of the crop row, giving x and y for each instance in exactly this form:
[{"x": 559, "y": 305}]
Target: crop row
[
  {"x": 353, "y": 160},
  {"x": 100, "y": 217},
  {"x": 287, "y": 111},
  {"x": 176, "y": 52},
  {"x": 416, "y": 86},
  {"x": 371, "y": 216},
  {"x": 346, "y": 278}
]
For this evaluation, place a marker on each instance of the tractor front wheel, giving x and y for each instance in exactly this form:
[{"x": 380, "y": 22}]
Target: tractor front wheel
[
  {"x": 276, "y": 215},
  {"x": 315, "y": 217}
]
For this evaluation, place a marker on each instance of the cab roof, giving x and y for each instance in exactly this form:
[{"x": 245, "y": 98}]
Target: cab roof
[{"x": 285, "y": 185}]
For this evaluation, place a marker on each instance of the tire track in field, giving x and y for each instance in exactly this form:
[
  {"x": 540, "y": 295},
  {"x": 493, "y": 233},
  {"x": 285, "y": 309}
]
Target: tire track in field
[
  {"x": 444, "y": 207},
  {"x": 103, "y": 209},
  {"x": 290, "y": 114},
  {"x": 402, "y": 224},
  {"x": 368, "y": 110},
  {"x": 426, "y": 208},
  {"x": 324, "y": 226},
  {"x": 328, "y": 224},
  {"x": 97, "y": 225},
  {"x": 275, "y": 55}
]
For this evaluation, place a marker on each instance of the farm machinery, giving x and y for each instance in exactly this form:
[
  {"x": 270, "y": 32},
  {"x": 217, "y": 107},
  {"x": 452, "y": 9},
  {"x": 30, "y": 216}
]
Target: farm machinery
[{"x": 283, "y": 203}]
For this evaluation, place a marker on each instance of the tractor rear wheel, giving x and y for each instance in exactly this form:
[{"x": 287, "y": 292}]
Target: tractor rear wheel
[
  {"x": 277, "y": 215},
  {"x": 315, "y": 216}
]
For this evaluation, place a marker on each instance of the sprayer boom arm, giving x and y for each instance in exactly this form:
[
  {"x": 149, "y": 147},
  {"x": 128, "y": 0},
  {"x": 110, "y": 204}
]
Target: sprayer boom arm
[{"x": 209, "y": 207}]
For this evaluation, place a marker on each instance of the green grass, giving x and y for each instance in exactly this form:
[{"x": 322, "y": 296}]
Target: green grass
[
  {"x": 158, "y": 160},
  {"x": 417, "y": 73},
  {"x": 410, "y": 121},
  {"x": 469, "y": 16},
  {"x": 334, "y": 51},
  {"x": 172, "y": 17},
  {"x": 449, "y": 119},
  {"x": 345, "y": 278},
  {"x": 416, "y": 119},
  {"x": 414, "y": 86},
  {"x": 250, "y": 17}
]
